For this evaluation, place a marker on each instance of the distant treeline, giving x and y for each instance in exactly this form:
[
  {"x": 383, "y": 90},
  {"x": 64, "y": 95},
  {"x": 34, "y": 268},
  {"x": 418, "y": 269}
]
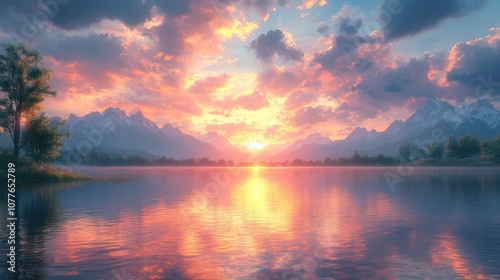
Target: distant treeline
[
  {"x": 97, "y": 157},
  {"x": 101, "y": 158},
  {"x": 451, "y": 152},
  {"x": 466, "y": 146},
  {"x": 356, "y": 160}
]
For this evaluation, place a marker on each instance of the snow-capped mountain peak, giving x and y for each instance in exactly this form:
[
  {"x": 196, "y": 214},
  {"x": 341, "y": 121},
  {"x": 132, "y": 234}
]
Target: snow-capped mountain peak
[
  {"x": 312, "y": 139},
  {"x": 215, "y": 139},
  {"x": 316, "y": 138},
  {"x": 361, "y": 134},
  {"x": 481, "y": 109},
  {"x": 114, "y": 112},
  {"x": 171, "y": 131},
  {"x": 139, "y": 119}
]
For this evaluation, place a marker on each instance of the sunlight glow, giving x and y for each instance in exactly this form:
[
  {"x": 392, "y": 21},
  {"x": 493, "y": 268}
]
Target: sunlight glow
[{"x": 255, "y": 145}]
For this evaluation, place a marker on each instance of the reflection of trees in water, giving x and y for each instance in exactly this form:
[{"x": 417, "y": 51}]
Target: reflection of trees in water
[
  {"x": 472, "y": 185},
  {"x": 37, "y": 212}
]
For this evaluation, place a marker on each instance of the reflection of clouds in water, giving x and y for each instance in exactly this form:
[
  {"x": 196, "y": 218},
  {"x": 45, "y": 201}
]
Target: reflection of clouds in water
[
  {"x": 407, "y": 268},
  {"x": 309, "y": 265},
  {"x": 247, "y": 232},
  {"x": 122, "y": 275}
]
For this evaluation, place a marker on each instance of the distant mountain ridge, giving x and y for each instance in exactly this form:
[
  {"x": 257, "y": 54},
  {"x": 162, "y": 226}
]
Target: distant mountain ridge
[
  {"x": 479, "y": 118},
  {"x": 116, "y": 132},
  {"x": 133, "y": 134}
]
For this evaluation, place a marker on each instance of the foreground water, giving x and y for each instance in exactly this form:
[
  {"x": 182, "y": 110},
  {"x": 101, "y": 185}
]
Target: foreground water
[{"x": 263, "y": 223}]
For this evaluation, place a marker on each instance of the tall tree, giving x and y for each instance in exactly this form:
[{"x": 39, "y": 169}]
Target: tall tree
[
  {"x": 468, "y": 145},
  {"x": 485, "y": 147},
  {"x": 495, "y": 147},
  {"x": 451, "y": 146},
  {"x": 42, "y": 139},
  {"x": 24, "y": 83},
  {"x": 434, "y": 150}
]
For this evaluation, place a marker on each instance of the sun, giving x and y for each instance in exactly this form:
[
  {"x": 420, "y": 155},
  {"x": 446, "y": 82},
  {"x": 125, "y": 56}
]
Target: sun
[{"x": 255, "y": 146}]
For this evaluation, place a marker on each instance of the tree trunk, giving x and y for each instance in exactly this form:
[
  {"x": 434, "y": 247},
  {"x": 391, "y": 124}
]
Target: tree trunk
[{"x": 17, "y": 132}]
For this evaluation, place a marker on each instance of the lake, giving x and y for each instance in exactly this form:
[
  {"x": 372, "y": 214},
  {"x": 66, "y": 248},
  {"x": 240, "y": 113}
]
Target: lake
[{"x": 263, "y": 223}]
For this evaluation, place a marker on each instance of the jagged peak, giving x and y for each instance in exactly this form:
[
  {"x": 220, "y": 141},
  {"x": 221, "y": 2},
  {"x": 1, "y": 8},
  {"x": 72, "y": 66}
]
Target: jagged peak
[
  {"x": 115, "y": 111},
  {"x": 138, "y": 114},
  {"x": 72, "y": 117},
  {"x": 479, "y": 103},
  {"x": 361, "y": 133},
  {"x": 212, "y": 133}
]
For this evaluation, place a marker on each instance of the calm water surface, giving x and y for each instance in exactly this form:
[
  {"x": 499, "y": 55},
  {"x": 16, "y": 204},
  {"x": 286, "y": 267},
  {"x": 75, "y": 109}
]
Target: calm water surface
[{"x": 263, "y": 223}]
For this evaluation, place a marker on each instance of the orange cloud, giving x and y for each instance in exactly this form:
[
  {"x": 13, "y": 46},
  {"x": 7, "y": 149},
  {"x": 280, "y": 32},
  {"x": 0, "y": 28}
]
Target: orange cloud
[{"x": 308, "y": 4}]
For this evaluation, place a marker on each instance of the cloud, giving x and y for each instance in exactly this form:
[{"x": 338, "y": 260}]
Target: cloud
[
  {"x": 401, "y": 18},
  {"x": 298, "y": 99},
  {"x": 353, "y": 52},
  {"x": 308, "y": 4},
  {"x": 311, "y": 115},
  {"x": 263, "y": 6},
  {"x": 253, "y": 102},
  {"x": 272, "y": 43},
  {"x": 100, "y": 49},
  {"x": 175, "y": 7},
  {"x": 279, "y": 82},
  {"x": 470, "y": 61},
  {"x": 82, "y": 13},
  {"x": 323, "y": 29},
  {"x": 238, "y": 29},
  {"x": 209, "y": 84},
  {"x": 230, "y": 129},
  {"x": 350, "y": 26}
]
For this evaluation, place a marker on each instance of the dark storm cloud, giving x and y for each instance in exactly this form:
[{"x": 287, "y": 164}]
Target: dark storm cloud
[
  {"x": 99, "y": 49},
  {"x": 273, "y": 43},
  {"x": 174, "y": 7},
  {"x": 323, "y": 30},
  {"x": 410, "y": 79},
  {"x": 350, "y": 26},
  {"x": 402, "y": 18},
  {"x": 72, "y": 14},
  {"x": 339, "y": 58},
  {"x": 92, "y": 57},
  {"x": 474, "y": 61},
  {"x": 82, "y": 13}
]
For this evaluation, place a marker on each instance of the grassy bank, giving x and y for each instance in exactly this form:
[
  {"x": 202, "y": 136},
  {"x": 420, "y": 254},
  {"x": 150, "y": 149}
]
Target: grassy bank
[{"x": 30, "y": 172}]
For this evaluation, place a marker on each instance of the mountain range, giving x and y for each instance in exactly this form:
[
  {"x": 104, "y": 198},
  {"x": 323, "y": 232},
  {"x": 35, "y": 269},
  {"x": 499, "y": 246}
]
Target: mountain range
[
  {"x": 116, "y": 132},
  {"x": 478, "y": 118}
]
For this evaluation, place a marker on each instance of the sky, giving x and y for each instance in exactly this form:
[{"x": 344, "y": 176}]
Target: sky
[{"x": 261, "y": 71}]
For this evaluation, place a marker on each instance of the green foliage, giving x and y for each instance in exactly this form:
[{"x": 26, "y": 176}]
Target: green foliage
[
  {"x": 465, "y": 146},
  {"x": 42, "y": 139},
  {"x": 491, "y": 149},
  {"x": 495, "y": 147},
  {"x": 362, "y": 160},
  {"x": 434, "y": 150},
  {"x": 451, "y": 146},
  {"x": 485, "y": 147},
  {"x": 468, "y": 145},
  {"x": 29, "y": 171},
  {"x": 25, "y": 83}
]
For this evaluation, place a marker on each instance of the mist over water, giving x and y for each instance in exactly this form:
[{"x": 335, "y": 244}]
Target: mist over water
[{"x": 263, "y": 223}]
